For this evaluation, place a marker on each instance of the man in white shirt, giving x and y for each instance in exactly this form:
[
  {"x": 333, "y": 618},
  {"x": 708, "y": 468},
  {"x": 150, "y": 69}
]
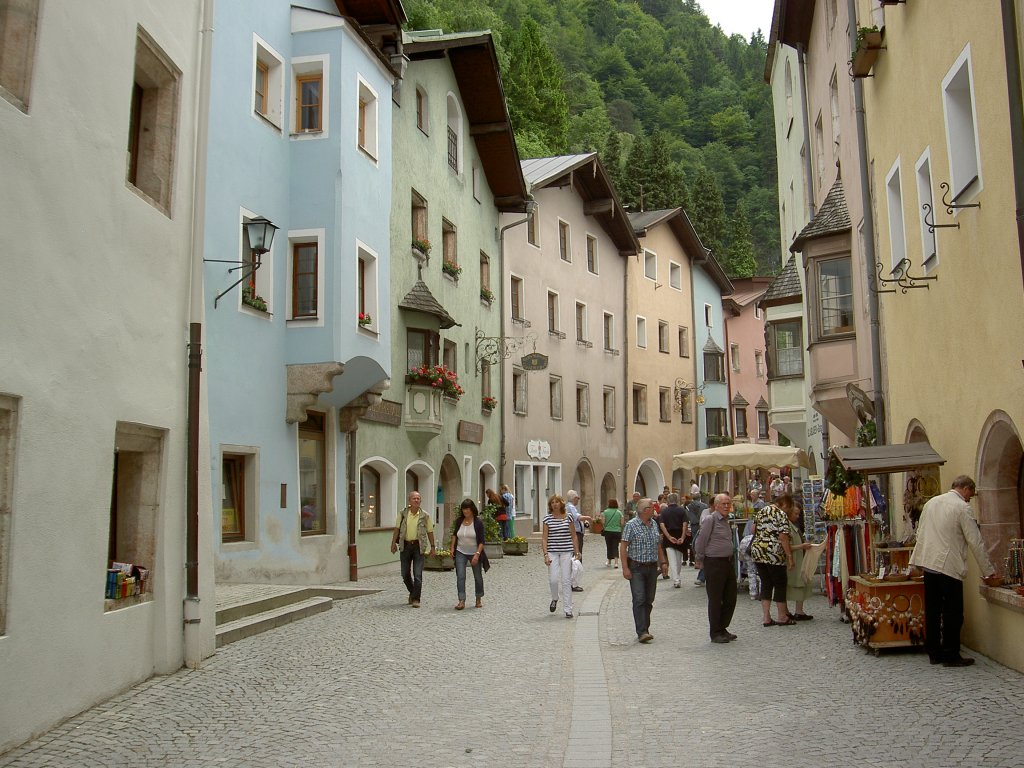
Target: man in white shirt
[{"x": 947, "y": 527}]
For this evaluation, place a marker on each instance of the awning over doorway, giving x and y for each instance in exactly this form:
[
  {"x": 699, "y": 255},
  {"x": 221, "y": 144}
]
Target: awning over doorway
[{"x": 882, "y": 459}]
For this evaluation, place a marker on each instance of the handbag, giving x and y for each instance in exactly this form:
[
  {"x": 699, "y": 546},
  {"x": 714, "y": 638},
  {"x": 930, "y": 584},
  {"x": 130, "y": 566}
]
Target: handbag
[{"x": 597, "y": 524}]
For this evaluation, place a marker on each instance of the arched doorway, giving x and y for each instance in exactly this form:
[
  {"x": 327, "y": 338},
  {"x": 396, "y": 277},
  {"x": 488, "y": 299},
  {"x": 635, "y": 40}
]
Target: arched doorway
[
  {"x": 918, "y": 486},
  {"x": 449, "y": 494},
  {"x": 1000, "y": 485},
  {"x": 649, "y": 479},
  {"x": 488, "y": 479},
  {"x": 584, "y": 484},
  {"x": 608, "y": 490}
]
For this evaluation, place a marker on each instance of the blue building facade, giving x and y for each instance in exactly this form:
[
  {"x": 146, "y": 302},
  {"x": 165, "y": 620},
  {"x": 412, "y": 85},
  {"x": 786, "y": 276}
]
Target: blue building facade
[
  {"x": 710, "y": 284},
  {"x": 300, "y": 126}
]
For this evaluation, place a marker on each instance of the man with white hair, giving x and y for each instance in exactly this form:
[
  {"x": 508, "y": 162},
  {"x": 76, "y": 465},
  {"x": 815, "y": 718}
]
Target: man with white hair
[
  {"x": 579, "y": 520},
  {"x": 715, "y": 553}
]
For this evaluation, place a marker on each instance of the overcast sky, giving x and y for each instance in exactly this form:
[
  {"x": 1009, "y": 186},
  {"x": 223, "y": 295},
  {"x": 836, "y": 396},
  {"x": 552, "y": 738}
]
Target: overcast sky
[{"x": 742, "y": 17}]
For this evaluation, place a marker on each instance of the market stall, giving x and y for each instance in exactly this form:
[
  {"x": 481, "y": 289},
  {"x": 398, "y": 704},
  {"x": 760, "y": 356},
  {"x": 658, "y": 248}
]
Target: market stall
[{"x": 883, "y": 597}]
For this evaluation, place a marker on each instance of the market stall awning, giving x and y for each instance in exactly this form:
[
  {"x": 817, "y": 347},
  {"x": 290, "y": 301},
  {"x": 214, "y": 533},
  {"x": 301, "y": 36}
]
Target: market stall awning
[
  {"x": 741, "y": 456},
  {"x": 888, "y": 458}
]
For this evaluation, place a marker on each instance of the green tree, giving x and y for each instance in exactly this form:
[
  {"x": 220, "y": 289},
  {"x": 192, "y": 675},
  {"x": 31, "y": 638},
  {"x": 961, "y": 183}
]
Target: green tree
[
  {"x": 611, "y": 158},
  {"x": 707, "y": 212},
  {"x": 535, "y": 90},
  {"x": 739, "y": 258}
]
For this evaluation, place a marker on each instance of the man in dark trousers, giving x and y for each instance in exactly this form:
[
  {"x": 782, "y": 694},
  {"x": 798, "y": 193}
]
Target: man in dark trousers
[
  {"x": 714, "y": 551},
  {"x": 674, "y": 530}
]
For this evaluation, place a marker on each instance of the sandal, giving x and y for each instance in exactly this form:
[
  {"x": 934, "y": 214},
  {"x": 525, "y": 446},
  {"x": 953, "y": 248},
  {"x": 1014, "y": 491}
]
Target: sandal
[
  {"x": 460, "y": 605},
  {"x": 787, "y": 623},
  {"x": 802, "y": 617},
  {"x": 770, "y": 623}
]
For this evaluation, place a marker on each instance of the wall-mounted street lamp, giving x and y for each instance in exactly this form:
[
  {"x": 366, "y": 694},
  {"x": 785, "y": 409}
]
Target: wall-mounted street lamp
[{"x": 260, "y": 233}]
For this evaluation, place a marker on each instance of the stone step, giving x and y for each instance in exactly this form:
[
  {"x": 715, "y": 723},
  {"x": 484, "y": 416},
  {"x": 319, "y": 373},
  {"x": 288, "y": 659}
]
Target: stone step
[
  {"x": 266, "y": 597},
  {"x": 254, "y": 623}
]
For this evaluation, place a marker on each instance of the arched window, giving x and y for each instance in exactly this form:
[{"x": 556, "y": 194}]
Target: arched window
[
  {"x": 454, "y": 134},
  {"x": 789, "y": 93},
  {"x": 369, "y": 498}
]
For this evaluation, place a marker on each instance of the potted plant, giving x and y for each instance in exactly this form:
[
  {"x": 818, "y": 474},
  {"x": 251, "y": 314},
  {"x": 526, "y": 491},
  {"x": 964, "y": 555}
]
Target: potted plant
[
  {"x": 441, "y": 560},
  {"x": 492, "y": 532},
  {"x": 365, "y": 319},
  {"x": 423, "y": 246},
  {"x": 451, "y": 269},
  {"x": 488, "y": 403},
  {"x": 486, "y": 294},
  {"x": 517, "y": 545},
  {"x": 252, "y": 299},
  {"x": 869, "y": 43},
  {"x": 438, "y": 377}
]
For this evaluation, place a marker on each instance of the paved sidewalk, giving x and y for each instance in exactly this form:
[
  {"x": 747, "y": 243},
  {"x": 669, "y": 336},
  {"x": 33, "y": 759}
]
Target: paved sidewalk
[{"x": 374, "y": 682}]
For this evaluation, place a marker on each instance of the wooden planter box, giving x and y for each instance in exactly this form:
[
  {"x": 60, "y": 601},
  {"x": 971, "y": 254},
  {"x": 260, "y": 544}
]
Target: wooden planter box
[{"x": 865, "y": 55}]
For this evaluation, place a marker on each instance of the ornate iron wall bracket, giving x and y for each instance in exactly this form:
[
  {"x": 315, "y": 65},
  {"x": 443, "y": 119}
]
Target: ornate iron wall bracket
[
  {"x": 903, "y": 280},
  {"x": 682, "y": 392},
  {"x": 494, "y": 349},
  {"x": 953, "y": 205},
  {"x": 932, "y": 226}
]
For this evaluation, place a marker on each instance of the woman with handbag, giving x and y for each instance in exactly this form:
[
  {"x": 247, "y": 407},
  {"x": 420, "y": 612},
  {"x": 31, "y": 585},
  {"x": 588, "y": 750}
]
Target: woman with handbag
[
  {"x": 612, "y": 532},
  {"x": 560, "y": 545},
  {"x": 467, "y": 546}
]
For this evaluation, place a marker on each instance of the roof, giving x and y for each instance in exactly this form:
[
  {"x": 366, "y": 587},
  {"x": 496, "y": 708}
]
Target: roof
[
  {"x": 791, "y": 25},
  {"x": 680, "y": 224},
  {"x": 832, "y": 218},
  {"x": 882, "y": 459},
  {"x": 746, "y": 291},
  {"x": 373, "y": 12},
  {"x": 761, "y": 403},
  {"x": 420, "y": 299},
  {"x": 739, "y": 399},
  {"x": 712, "y": 346},
  {"x": 785, "y": 289},
  {"x": 475, "y": 66},
  {"x": 587, "y": 177}
]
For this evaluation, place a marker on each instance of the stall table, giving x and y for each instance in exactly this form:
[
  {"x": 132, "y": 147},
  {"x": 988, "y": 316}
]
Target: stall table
[{"x": 886, "y": 614}]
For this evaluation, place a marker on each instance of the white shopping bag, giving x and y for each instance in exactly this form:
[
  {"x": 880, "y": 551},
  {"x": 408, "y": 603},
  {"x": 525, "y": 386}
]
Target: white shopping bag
[{"x": 577, "y": 572}]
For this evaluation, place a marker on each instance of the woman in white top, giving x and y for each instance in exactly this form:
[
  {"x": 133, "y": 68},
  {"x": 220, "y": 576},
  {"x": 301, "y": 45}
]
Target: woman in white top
[
  {"x": 467, "y": 547},
  {"x": 560, "y": 546}
]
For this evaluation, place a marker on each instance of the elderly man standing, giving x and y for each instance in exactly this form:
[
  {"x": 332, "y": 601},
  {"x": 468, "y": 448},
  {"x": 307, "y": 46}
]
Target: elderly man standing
[
  {"x": 946, "y": 529},
  {"x": 714, "y": 549},
  {"x": 415, "y": 530},
  {"x": 641, "y": 560}
]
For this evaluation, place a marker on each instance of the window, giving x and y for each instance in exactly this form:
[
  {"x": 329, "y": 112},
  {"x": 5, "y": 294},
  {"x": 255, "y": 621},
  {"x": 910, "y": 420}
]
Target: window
[
  {"x": 422, "y": 121},
  {"x": 477, "y": 182},
  {"x": 819, "y": 148},
  {"x": 675, "y": 276},
  {"x": 897, "y": 232},
  {"x": 639, "y": 404},
  {"x": 366, "y": 127},
  {"x": 834, "y": 106},
  {"x": 133, "y": 536},
  {"x": 929, "y": 243},
  {"x": 684, "y": 341},
  {"x": 449, "y": 355},
  {"x": 664, "y": 404},
  {"x": 609, "y": 407},
  {"x": 422, "y": 348},
  {"x": 650, "y": 265},
  {"x": 454, "y": 134},
  {"x": 449, "y": 245},
  {"x": 734, "y": 356},
  {"x": 234, "y": 504},
  {"x": 715, "y": 422},
  {"x": 740, "y": 416},
  {"x": 532, "y": 232},
  {"x": 961, "y": 126},
  {"x": 485, "y": 277},
  {"x": 553, "y": 314},
  {"x": 592, "y": 254},
  {"x": 581, "y": 322},
  {"x": 785, "y": 353},
  {"x": 519, "y": 391},
  {"x": 663, "y": 343},
  {"x": 485, "y": 378},
  {"x": 308, "y": 105},
  {"x": 564, "y": 244},
  {"x": 762, "y": 424},
  {"x": 788, "y": 86},
  {"x": 305, "y": 280},
  {"x": 582, "y": 403},
  {"x": 369, "y": 497},
  {"x": 709, "y": 317},
  {"x": 313, "y": 474},
  {"x": 419, "y": 217},
  {"x": 641, "y": 332},
  {"x": 153, "y": 121},
  {"x": 268, "y": 83},
  {"x": 555, "y": 396},
  {"x": 835, "y": 286},
  {"x": 516, "y": 297},
  {"x": 714, "y": 366},
  {"x": 366, "y": 285},
  {"x": 18, "y": 22},
  {"x": 759, "y": 364},
  {"x": 609, "y": 331},
  {"x": 8, "y": 441},
  {"x": 685, "y": 407}
]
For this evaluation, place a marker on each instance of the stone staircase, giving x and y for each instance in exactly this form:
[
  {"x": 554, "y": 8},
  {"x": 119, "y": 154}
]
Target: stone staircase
[{"x": 244, "y": 610}]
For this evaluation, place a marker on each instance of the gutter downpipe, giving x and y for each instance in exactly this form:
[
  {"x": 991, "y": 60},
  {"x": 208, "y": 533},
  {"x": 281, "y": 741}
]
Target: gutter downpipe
[
  {"x": 869, "y": 243},
  {"x": 1013, "y": 82},
  {"x": 193, "y": 646}
]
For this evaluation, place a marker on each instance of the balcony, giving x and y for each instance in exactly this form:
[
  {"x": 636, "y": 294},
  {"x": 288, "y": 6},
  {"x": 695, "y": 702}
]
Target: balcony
[{"x": 423, "y": 410}]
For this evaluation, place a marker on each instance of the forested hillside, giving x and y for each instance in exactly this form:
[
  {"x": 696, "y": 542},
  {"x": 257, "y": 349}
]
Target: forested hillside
[{"x": 679, "y": 112}]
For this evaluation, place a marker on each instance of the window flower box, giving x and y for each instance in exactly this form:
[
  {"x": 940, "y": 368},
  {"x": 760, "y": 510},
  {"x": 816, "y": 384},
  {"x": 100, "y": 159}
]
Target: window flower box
[
  {"x": 437, "y": 377},
  {"x": 869, "y": 43},
  {"x": 365, "y": 319},
  {"x": 451, "y": 269},
  {"x": 421, "y": 246},
  {"x": 488, "y": 403},
  {"x": 252, "y": 299},
  {"x": 487, "y": 295}
]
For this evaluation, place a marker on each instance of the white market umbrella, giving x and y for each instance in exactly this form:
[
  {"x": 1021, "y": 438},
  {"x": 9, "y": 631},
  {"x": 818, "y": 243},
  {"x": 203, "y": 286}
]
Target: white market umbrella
[{"x": 741, "y": 456}]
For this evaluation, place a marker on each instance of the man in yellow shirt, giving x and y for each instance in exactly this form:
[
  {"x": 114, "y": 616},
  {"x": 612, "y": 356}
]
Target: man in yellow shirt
[{"x": 415, "y": 531}]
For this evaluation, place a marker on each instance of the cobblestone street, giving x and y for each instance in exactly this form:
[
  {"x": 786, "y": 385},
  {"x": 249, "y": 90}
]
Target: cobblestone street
[{"x": 374, "y": 682}]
